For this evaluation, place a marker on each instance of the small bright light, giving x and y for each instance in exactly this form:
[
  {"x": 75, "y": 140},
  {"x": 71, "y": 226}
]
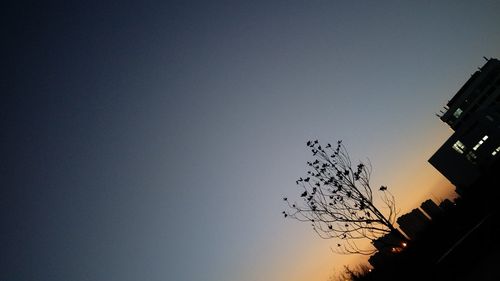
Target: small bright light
[
  {"x": 404, "y": 244},
  {"x": 495, "y": 151}
]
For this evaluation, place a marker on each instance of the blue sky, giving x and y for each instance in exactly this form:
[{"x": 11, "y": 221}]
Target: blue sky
[{"x": 155, "y": 140}]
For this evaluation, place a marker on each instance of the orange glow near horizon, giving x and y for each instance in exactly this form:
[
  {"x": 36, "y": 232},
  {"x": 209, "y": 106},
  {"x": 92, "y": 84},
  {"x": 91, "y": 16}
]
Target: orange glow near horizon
[
  {"x": 316, "y": 262},
  {"x": 412, "y": 180}
]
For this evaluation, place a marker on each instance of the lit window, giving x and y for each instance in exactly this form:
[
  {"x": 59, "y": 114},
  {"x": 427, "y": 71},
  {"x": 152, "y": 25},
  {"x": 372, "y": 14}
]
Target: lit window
[
  {"x": 495, "y": 151},
  {"x": 471, "y": 156},
  {"x": 457, "y": 113},
  {"x": 480, "y": 142},
  {"x": 459, "y": 147}
]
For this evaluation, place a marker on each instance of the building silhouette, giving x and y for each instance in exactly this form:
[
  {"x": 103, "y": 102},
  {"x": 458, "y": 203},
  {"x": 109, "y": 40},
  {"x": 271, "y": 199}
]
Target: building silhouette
[
  {"x": 413, "y": 223},
  {"x": 431, "y": 209},
  {"x": 388, "y": 246},
  {"x": 388, "y": 242},
  {"x": 474, "y": 116},
  {"x": 446, "y": 205}
]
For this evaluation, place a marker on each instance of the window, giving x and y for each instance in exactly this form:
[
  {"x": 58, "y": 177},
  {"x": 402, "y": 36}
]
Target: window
[
  {"x": 480, "y": 142},
  {"x": 459, "y": 147},
  {"x": 471, "y": 156},
  {"x": 495, "y": 151},
  {"x": 457, "y": 113}
]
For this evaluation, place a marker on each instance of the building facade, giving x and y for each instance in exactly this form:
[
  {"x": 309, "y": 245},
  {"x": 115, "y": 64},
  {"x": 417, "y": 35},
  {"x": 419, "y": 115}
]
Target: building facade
[
  {"x": 431, "y": 209},
  {"x": 474, "y": 116},
  {"x": 413, "y": 223}
]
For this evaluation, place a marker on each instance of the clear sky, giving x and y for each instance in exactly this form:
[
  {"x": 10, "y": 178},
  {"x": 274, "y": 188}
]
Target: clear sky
[{"x": 155, "y": 140}]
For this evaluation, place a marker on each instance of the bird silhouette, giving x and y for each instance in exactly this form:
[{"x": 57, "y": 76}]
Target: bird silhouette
[
  {"x": 304, "y": 194},
  {"x": 382, "y": 188}
]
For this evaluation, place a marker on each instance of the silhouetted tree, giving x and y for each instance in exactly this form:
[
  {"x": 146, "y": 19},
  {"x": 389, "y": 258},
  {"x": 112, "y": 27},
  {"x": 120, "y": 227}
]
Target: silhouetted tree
[
  {"x": 340, "y": 276},
  {"x": 337, "y": 199},
  {"x": 357, "y": 273}
]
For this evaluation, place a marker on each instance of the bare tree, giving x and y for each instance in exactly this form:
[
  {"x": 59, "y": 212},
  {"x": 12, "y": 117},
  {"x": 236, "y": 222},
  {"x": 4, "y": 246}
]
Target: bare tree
[
  {"x": 357, "y": 273},
  {"x": 337, "y": 199}
]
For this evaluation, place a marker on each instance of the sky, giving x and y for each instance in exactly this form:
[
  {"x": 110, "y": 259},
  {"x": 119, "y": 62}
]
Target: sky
[{"x": 154, "y": 140}]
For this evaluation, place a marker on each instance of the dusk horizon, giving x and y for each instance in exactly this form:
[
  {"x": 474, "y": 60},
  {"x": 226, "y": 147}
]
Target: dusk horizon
[{"x": 155, "y": 140}]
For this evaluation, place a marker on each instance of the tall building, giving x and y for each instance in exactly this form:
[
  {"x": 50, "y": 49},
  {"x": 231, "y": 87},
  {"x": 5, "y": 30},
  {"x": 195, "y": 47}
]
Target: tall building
[
  {"x": 413, "y": 223},
  {"x": 480, "y": 92},
  {"x": 446, "y": 205},
  {"x": 474, "y": 115},
  {"x": 431, "y": 209}
]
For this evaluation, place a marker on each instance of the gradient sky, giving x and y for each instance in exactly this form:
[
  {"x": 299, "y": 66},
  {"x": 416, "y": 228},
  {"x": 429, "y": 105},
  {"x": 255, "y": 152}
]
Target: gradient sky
[{"x": 155, "y": 140}]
